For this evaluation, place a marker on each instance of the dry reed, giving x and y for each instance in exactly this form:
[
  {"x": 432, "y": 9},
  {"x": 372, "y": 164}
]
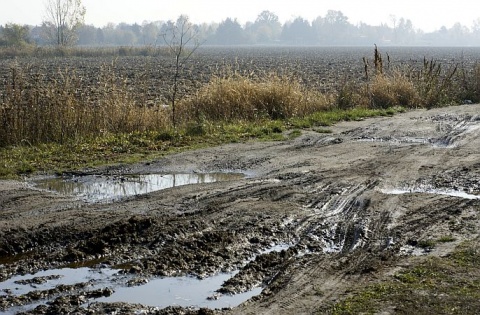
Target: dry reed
[
  {"x": 244, "y": 97},
  {"x": 68, "y": 107}
]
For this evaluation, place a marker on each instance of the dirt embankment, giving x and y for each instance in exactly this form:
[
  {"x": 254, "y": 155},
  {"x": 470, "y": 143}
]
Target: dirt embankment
[{"x": 353, "y": 206}]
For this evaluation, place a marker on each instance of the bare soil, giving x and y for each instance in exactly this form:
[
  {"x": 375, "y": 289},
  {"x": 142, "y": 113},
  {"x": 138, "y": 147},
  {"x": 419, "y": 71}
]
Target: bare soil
[
  {"x": 355, "y": 206},
  {"x": 149, "y": 79}
]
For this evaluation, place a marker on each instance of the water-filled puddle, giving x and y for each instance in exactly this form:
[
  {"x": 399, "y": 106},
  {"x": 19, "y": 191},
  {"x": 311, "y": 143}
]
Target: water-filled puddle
[
  {"x": 97, "y": 188},
  {"x": 157, "y": 292},
  {"x": 162, "y": 292},
  {"x": 181, "y": 291},
  {"x": 49, "y": 279},
  {"x": 451, "y": 193}
]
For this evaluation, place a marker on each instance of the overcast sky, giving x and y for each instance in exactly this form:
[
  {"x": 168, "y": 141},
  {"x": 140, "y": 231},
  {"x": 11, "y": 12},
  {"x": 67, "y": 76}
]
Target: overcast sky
[{"x": 427, "y": 15}]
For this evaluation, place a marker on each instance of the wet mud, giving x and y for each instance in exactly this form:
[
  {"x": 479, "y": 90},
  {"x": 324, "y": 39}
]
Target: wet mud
[{"x": 315, "y": 217}]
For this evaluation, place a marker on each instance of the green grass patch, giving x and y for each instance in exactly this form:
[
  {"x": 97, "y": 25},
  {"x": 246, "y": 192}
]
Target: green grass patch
[
  {"x": 449, "y": 285},
  {"x": 429, "y": 243},
  {"x": 446, "y": 239},
  {"x": 122, "y": 148},
  {"x": 323, "y": 130},
  {"x": 330, "y": 117},
  {"x": 117, "y": 148}
]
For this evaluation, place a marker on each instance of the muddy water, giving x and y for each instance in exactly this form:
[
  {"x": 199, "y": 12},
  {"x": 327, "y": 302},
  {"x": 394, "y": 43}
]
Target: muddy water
[
  {"x": 181, "y": 291},
  {"x": 185, "y": 291},
  {"x": 49, "y": 279},
  {"x": 451, "y": 193},
  {"x": 158, "y": 292},
  {"x": 103, "y": 188}
]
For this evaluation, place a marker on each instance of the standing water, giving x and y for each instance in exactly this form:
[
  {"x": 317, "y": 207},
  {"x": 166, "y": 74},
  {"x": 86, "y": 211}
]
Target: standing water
[
  {"x": 185, "y": 291},
  {"x": 107, "y": 188}
]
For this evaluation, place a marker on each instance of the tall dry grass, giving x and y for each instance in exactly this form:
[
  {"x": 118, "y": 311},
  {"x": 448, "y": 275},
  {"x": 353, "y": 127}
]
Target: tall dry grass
[
  {"x": 66, "y": 107},
  {"x": 246, "y": 97},
  {"x": 470, "y": 83},
  {"x": 431, "y": 85},
  {"x": 394, "y": 90}
]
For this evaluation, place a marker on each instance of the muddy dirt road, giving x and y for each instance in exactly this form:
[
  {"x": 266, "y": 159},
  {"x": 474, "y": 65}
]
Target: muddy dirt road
[{"x": 313, "y": 218}]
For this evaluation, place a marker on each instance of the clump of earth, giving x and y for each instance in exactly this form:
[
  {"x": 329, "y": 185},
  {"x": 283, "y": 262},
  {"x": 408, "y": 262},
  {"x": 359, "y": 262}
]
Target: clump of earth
[{"x": 313, "y": 218}]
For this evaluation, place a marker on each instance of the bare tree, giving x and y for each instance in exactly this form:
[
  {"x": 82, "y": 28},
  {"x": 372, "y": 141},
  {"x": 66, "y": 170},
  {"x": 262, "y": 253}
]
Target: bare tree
[
  {"x": 181, "y": 39},
  {"x": 63, "y": 18}
]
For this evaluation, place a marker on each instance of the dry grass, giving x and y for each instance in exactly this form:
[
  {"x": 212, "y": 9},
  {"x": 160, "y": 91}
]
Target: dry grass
[
  {"x": 242, "y": 97},
  {"x": 470, "y": 83},
  {"x": 36, "y": 110},
  {"x": 54, "y": 51},
  {"x": 410, "y": 87},
  {"x": 66, "y": 107},
  {"x": 395, "y": 90}
]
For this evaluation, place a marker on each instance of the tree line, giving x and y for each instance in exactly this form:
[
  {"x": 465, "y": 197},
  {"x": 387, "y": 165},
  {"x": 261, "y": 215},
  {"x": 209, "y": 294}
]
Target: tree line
[{"x": 332, "y": 29}]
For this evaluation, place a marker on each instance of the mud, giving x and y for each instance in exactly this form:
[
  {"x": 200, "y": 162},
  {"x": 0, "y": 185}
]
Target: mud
[{"x": 328, "y": 203}]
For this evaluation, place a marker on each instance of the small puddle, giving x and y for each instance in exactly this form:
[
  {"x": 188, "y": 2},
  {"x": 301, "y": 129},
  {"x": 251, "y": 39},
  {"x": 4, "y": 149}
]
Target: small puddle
[
  {"x": 157, "y": 292},
  {"x": 452, "y": 193},
  {"x": 181, "y": 291},
  {"x": 162, "y": 292},
  {"x": 392, "y": 140},
  {"x": 108, "y": 188},
  {"x": 276, "y": 248},
  {"x": 49, "y": 279}
]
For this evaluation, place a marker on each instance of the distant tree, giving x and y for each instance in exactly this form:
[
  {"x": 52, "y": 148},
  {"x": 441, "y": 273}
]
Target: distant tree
[
  {"x": 298, "y": 32},
  {"x": 230, "y": 32},
  {"x": 109, "y": 34},
  {"x": 87, "y": 35},
  {"x": 476, "y": 32},
  {"x": 404, "y": 32},
  {"x": 458, "y": 35},
  {"x": 206, "y": 31},
  {"x": 336, "y": 18},
  {"x": 126, "y": 35},
  {"x": 100, "y": 36},
  {"x": 15, "y": 35},
  {"x": 267, "y": 27},
  {"x": 149, "y": 33},
  {"x": 334, "y": 28},
  {"x": 63, "y": 19}
]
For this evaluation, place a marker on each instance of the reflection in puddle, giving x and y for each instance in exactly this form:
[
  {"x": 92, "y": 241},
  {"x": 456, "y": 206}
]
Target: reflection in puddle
[
  {"x": 158, "y": 292},
  {"x": 276, "y": 248},
  {"x": 452, "y": 193},
  {"x": 49, "y": 279},
  {"x": 95, "y": 188},
  {"x": 181, "y": 291}
]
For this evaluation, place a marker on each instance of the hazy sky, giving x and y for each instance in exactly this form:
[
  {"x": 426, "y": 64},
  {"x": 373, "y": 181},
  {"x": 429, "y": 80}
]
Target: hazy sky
[{"x": 428, "y": 15}]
